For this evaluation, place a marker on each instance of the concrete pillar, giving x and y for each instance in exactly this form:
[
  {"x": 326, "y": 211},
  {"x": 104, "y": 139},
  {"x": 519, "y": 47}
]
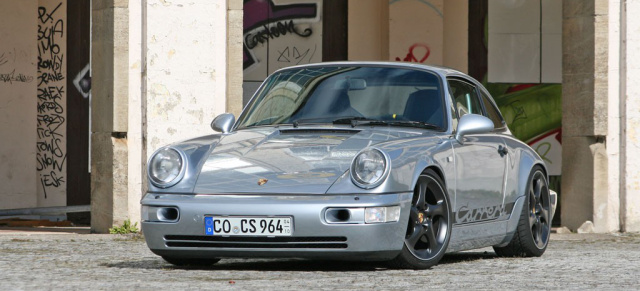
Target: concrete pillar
[
  {"x": 161, "y": 72},
  {"x": 630, "y": 116},
  {"x": 235, "y": 46},
  {"x": 109, "y": 124},
  {"x": 585, "y": 195}
]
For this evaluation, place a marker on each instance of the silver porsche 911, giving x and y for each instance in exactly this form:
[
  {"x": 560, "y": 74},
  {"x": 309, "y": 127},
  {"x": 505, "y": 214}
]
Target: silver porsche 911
[{"x": 352, "y": 161}]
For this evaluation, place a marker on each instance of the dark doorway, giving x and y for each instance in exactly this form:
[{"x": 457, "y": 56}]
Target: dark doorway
[
  {"x": 334, "y": 30},
  {"x": 78, "y": 52}
]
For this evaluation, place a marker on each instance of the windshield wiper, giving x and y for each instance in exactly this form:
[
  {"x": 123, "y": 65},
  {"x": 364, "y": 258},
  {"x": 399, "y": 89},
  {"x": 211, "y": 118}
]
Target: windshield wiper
[{"x": 355, "y": 121}]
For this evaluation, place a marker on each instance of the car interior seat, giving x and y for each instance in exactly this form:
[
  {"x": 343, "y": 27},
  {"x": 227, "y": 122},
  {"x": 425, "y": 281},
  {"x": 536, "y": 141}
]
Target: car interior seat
[{"x": 426, "y": 106}]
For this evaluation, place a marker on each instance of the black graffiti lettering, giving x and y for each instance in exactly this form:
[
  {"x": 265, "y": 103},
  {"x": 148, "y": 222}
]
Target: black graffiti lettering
[
  {"x": 276, "y": 30},
  {"x": 52, "y": 180},
  {"x": 42, "y": 12},
  {"x": 50, "y": 155},
  {"x": 12, "y": 77},
  {"x": 289, "y": 55}
]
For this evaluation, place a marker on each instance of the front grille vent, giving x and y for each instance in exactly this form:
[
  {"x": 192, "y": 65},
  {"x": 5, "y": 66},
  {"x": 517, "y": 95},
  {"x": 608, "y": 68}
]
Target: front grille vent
[{"x": 194, "y": 241}]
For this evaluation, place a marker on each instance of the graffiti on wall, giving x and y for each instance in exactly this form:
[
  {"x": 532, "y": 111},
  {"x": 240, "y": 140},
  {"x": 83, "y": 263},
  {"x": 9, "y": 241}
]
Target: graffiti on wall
[
  {"x": 416, "y": 31},
  {"x": 418, "y": 53},
  {"x": 9, "y": 74},
  {"x": 51, "y": 148},
  {"x": 533, "y": 113},
  {"x": 279, "y": 34}
]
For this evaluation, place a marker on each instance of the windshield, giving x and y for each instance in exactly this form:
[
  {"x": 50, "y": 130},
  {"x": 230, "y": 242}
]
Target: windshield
[{"x": 348, "y": 95}]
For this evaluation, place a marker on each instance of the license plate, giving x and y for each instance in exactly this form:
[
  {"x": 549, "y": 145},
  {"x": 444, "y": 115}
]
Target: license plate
[{"x": 247, "y": 226}]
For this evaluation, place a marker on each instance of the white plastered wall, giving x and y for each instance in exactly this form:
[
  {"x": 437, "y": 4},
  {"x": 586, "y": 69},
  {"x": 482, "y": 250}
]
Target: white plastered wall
[
  {"x": 18, "y": 102},
  {"x": 185, "y": 69}
]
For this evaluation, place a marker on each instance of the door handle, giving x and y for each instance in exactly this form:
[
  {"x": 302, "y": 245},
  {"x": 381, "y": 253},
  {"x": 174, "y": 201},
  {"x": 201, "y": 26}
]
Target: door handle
[{"x": 502, "y": 150}]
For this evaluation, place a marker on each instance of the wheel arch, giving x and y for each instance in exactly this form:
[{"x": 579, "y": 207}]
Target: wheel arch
[{"x": 527, "y": 163}]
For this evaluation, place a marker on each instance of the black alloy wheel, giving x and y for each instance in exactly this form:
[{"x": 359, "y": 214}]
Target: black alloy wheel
[
  {"x": 429, "y": 226},
  {"x": 539, "y": 210},
  {"x": 534, "y": 226}
]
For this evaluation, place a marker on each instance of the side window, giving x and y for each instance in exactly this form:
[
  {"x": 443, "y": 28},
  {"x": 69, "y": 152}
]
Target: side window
[
  {"x": 492, "y": 111},
  {"x": 465, "y": 97}
]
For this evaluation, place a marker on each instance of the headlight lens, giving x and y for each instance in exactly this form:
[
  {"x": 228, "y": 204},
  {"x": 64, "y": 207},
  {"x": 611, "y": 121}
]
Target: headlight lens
[
  {"x": 166, "y": 168},
  {"x": 369, "y": 168}
]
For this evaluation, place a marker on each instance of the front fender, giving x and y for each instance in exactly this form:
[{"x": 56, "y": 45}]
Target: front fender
[
  {"x": 408, "y": 160},
  {"x": 196, "y": 150}
]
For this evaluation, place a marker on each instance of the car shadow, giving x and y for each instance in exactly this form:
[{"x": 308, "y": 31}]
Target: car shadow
[{"x": 291, "y": 264}]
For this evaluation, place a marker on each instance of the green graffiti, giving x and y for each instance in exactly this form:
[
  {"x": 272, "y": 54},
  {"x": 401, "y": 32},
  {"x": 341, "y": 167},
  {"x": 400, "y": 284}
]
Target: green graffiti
[
  {"x": 531, "y": 112},
  {"x": 546, "y": 151}
]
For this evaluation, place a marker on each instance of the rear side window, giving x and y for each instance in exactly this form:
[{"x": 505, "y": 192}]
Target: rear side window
[
  {"x": 465, "y": 97},
  {"x": 492, "y": 112}
]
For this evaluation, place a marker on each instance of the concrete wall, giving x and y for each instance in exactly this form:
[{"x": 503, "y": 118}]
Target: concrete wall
[
  {"x": 456, "y": 34},
  {"x": 368, "y": 30},
  {"x": 18, "y": 104},
  {"x": 630, "y": 117},
  {"x": 33, "y": 89},
  {"x": 185, "y": 69},
  {"x": 416, "y": 31},
  {"x": 430, "y": 32}
]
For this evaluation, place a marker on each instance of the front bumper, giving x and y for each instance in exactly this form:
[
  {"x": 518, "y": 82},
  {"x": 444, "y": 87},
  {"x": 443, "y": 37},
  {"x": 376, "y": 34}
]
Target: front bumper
[{"x": 312, "y": 236}]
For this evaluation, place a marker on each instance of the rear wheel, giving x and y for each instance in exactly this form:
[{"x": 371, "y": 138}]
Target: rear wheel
[
  {"x": 534, "y": 227},
  {"x": 429, "y": 226},
  {"x": 190, "y": 262}
]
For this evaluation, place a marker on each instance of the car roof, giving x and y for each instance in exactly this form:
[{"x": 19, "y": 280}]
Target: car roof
[{"x": 437, "y": 69}]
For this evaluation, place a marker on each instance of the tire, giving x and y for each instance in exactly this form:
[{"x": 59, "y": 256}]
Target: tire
[
  {"x": 429, "y": 225},
  {"x": 534, "y": 226},
  {"x": 181, "y": 262}
]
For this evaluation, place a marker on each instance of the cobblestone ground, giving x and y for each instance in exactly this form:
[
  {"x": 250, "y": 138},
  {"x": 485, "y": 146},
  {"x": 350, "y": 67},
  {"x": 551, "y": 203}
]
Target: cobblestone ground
[{"x": 36, "y": 261}]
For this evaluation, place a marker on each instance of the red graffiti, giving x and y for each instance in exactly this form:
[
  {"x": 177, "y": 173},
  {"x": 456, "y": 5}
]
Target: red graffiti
[{"x": 411, "y": 57}]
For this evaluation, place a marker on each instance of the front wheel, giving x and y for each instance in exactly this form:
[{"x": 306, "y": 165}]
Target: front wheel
[
  {"x": 429, "y": 226},
  {"x": 534, "y": 227}
]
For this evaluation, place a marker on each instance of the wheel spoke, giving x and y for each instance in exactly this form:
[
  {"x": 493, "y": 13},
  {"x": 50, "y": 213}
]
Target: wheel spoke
[
  {"x": 545, "y": 214},
  {"x": 538, "y": 234},
  {"x": 435, "y": 210},
  {"x": 418, "y": 232},
  {"x": 431, "y": 236},
  {"x": 544, "y": 233},
  {"x": 538, "y": 190},
  {"x": 532, "y": 219},
  {"x": 422, "y": 188}
]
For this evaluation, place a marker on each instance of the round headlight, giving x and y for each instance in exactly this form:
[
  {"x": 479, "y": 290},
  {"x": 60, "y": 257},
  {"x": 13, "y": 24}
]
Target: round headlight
[
  {"x": 369, "y": 168},
  {"x": 166, "y": 168}
]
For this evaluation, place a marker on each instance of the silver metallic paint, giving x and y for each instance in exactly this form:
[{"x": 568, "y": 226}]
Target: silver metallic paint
[
  {"x": 308, "y": 171},
  {"x": 223, "y": 122}
]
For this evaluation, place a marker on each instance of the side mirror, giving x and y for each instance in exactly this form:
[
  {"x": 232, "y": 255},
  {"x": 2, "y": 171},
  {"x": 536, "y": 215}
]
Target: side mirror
[
  {"x": 473, "y": 124},
  {"x": 223, "y": 122}
]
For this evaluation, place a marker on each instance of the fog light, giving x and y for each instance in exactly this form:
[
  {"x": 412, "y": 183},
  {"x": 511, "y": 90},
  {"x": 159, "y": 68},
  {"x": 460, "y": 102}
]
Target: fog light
[{"x": 381, "y": 214}]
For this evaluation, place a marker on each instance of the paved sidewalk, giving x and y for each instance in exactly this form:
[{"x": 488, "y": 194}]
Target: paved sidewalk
[{"x": 56, "y": 261}]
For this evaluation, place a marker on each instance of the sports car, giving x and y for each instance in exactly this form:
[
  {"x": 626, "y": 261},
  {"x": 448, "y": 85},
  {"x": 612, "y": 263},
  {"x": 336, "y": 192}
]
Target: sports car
[{"x": 381, "y": 161}]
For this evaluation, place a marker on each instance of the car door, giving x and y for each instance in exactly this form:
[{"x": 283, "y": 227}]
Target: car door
[{"x": 480, "y": 161}]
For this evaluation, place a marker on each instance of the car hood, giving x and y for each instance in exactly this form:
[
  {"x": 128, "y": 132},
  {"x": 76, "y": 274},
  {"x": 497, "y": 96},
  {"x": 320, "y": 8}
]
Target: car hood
[{"x": 286, "y": 160}]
